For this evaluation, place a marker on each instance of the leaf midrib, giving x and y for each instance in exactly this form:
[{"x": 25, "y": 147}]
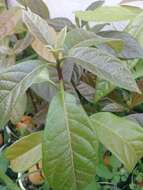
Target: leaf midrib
[{"x": 69, "y": 135}]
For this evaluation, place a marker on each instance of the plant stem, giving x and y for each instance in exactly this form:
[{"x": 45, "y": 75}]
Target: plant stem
[
  {"x": 59, "y": 70},
  {"x": 33, "y": 101},
  {"x": 25, "y": 5},
  {"x": 6, "y": 4}
]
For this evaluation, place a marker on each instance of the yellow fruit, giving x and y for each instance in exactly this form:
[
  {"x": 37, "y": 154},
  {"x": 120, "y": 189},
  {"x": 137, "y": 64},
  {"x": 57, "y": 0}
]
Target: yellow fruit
[{"x": 36, "y": 175}]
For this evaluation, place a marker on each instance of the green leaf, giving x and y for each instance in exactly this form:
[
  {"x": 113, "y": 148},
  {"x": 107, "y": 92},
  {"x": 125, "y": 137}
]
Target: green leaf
[
  {"x": 23, "y": 44},
  {"x": 26, "y": 152},
  {"x": 4, "y": 163},
  {"x": 138, "y": 70},
  {"x": 131, "y": 48},
  {"x": 8, "y": 21},
  {"x": 69, "y": 145},
  {"x": 105, "y": 66},
  {"x": 39, "y": 28},
  {"x": 103, "y": 172},
  {"x": 82, "y": 38},
  {"x": 103, "y": 88},
  {"x": 98, "y": 27},
  {"x": 92, "y": 186},
  {"x": 92, "y": 7},
  {"x": 127, "y": 1},
  {"x": 95, "y": 5},
  {"x": 36, "y": 6},
  {"x": 9, "y": 183},
  {"x": 61, "y": 38},
  {"x": 135, "y": 28},
  {"x": 114, "y": 162},
  {"x": 123, "y": 138},
  {"x": 86, "y": 91},
  {"x": 60, "y": 22},
  {"x": 14, "y": 81},
  {"x": 138, "y": 118},
  {"x": 109, "y": 14}
]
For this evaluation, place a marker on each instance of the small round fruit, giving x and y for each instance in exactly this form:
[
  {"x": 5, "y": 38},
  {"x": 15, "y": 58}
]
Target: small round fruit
[
  {"x": 25, "y": 122},
  {"x": 35, "y": 175},
  {"x": 106, "y": 160}
]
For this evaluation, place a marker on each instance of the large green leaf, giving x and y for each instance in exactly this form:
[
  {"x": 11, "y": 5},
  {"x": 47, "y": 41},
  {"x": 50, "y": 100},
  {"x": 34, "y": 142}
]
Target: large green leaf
[
  {"x": 131, "y": 49},
  {"x": 122, "y": 137},
  {"x": 83, "y": 38},
  {"x": 14, "y": 81},
  {"x": 25, "y": 152},
  {"x": 135, "y": 28},
  {"x": 59, "y": 23},
  {"x": 39, "y": 28},
  {"x": 109, "y": 14},
  {"x": 105, "y": 66},
  {"x": 69, "y": 145},
  {"x": 103, "y": 87}
]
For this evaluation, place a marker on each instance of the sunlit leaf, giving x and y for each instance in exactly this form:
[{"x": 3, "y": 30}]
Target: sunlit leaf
[
  {"x": 26, "y": 152},
  {"x": 69, "y": 145},
  {"x": 109, "y": 14},
  {"x": 123, "y": 138},
  {"x": 42, "y": 50}
]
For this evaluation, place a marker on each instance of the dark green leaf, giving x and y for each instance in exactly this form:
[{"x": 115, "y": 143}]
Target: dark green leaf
[
  {"x": 36, "y": 6},
  {"x": 131, "y": 49},
  {"x": 104, "y": 66}
]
